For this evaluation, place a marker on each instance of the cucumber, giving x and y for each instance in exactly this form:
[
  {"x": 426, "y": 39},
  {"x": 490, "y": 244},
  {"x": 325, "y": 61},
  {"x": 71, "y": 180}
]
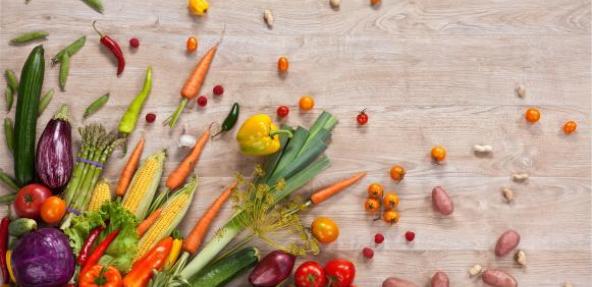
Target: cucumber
[
  {"x": 223, "y": 271},
  {"x": 25, "y": 121},
  {"x": 21, "y": 226}
]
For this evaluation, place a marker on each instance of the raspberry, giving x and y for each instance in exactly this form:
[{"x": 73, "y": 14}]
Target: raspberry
[
  {"x": 368, "y": 252},
  {"x": 409, "y": 235},
  {"x": 378, "y": 238}
]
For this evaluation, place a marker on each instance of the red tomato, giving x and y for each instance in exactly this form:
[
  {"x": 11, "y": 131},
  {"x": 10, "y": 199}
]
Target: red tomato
[
  {"x": 29, "y": 200},
  {"x": 310, "y": 274},
  {"x": 340, "y": 272}
]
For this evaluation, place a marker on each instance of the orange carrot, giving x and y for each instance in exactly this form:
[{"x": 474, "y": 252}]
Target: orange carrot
[
  {"x": 130, "y": 167},
  {"x": 178, "y": 176},
  {"x": 193, "y": 241},
  {"x": 194, "y": 82},
  {"x": 335, "y": 188},
  {"x": 147, "y": 222}
]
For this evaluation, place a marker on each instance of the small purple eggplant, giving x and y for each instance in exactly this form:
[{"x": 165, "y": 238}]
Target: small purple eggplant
[
  {"x": 54, "y": 160},
  {"x": 274, "y": 268}
]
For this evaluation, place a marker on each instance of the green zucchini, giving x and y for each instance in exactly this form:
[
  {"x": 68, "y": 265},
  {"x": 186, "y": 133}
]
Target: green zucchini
[
  {"x": 21, "y": 226},
  {"x": 229, "y": 267},
  {"x": 25, "y": 121}
]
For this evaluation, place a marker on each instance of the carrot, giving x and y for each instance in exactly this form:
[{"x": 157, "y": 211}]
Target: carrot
[
  {"x": 195, "y": 238},
  {"x": 146, "y": 223},
  {"x": 130, "y": 167},
  {"x": 178, "y": 176},
  {"x": 335, "y": 188}
]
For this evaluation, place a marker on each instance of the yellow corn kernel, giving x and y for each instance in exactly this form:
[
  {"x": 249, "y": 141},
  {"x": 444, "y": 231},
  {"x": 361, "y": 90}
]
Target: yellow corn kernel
[
  {"x": 100, "y": 195},
  {"x": 144, "y": 185}
]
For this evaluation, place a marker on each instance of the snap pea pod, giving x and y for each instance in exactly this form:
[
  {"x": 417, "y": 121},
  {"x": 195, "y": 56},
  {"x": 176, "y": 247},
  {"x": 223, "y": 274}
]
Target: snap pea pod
[
  {"x": 64, "y": 71},
  {"x": 71, "y": 49},
  {"x": 45, "y": 100},
  {"x": 97, "y": 5},
  {"x": 11, "y": 80},
  {"x": 28, "y": 37},
  {"x": 9, "y": 134},
  {"x": 8, "y": 181},
  {"x": 96, "y": 105},
  {"x": 9, "y": 96}
]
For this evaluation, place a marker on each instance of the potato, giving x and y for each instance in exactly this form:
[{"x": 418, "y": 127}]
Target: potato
[
  {"x": 441, "y": 202},
  {"x": 440, "y": 279},
  {"x": 396, "y": 282},
  {"x": 498, "y": 278},
  {"x": 507, "y": 242}
]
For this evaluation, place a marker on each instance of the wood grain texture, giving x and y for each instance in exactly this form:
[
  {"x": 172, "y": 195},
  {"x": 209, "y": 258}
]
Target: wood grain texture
[{"x": 428, "y": 72}]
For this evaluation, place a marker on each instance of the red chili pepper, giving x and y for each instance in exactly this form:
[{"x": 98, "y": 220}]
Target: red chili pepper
[
  {"x": 93, "y": 259},
  {"x": 88, "y": 243},
  {"x": 113, "y": 46},
  {"x": 3, "y": 248}
]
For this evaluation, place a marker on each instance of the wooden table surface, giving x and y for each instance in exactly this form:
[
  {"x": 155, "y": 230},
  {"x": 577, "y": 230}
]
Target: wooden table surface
[{"x": 427, "y": 71}]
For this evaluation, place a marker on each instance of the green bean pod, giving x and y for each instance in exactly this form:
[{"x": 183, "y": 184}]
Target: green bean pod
[
  {"x": 11, "y": 80},
  {"x": 28, "y": 37},
  {"x": 9, "y": 96},
  {"x": 71, "y": 49},
  {"x": 8, "y": 181},
  {"x": 9, "y": 134},
  {"x": 97, "y": 5},
  {"x": 96, "y": 105},
  {"x": 45, "y": 100},
  {"x": 64, "y": 71}
]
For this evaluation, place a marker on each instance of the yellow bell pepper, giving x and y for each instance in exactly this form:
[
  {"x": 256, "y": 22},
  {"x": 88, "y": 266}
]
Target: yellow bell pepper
[
  {"x": 174, "y": 254},
  {"x": 198, "y": 7},
  {"x": 259, "y": 136}
]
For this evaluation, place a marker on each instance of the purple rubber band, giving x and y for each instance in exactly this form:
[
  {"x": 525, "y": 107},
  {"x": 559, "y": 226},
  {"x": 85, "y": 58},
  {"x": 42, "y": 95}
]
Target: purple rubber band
[
  {"x": 94, "y": 163},
  {"x": 72, "y": 210}
]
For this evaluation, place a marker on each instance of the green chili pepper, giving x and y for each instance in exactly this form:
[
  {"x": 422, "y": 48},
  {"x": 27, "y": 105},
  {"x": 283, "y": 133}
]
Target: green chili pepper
[
  {"x": 28, "y": 37},
  {"x": 127, "y": 124},
  {"x": 97, "y": 5},
  {"x": 44, "y": 102},
  {"x": 8, "y": 181},
  {"x": 11, "y": 80},
  {"x": 71, "y": 49},
  {"x": 96, "y": 105},
  {"x": 9, "y": 96},
  {"x": 230, "y": 120},
  {"x": 64, "y": 71},
  {"x": 9, "y": 133}
]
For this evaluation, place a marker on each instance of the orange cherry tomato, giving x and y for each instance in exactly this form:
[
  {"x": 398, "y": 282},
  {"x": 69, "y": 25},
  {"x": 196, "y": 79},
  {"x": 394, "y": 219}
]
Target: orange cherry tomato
[
  {"x": 569, "y": 127},
  {"x": 374, "y": 2},
  {"x": 391, "y": 200},
  {"x": 283, "y": 64},
  {"x": 372, "y": 205},
  {"x": 306, "y": 103},
  {"x": 397, "y": 172},
  {"x": 53, "y": 209},
  {"x": 438, "y": 153},
  {"x": 375, "y": 190},
  {"x": 325, "y": 230},
  {"x": 391, "y": 216},
  {"x": 191, "y": 44},
  {"x": 100, "y": 276},
  {"x": 532, "y": 115}
]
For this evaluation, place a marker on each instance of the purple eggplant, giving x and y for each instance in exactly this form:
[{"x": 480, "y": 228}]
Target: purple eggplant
[
  {"x": 54, "y": 160},
  {"x": 274, "y": 268}
]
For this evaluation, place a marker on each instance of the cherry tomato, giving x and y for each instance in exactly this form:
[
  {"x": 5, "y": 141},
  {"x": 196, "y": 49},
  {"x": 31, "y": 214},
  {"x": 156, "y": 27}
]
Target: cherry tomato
[
  {"x": 282, "y": 111},
  {"x": 569, "y": 127},
  {"x": 29, "y": 199},
  {"x": 282, "y": 65},
  {"x": 375, "y": 190},
  {"x": 362, "y": 118},
  {"x": 306, "y": 103},
  {"x": 397, "y": 172},
  {"x": 372, "y": 205},
  {"x": 391, "y": 216},
  {"x": 53, "y": 209},
  {"x": 532, "y": 115},
  {"x": 374, "y": 2},
  {"x": 191, "y": 44},
  {"x": 325, "y": 230},
  {"x": 341, "y": 272},
  {"x": 438, "y": 153},
  {"x": 391, "y": 200},
  {"x": 310, "y": 274}
]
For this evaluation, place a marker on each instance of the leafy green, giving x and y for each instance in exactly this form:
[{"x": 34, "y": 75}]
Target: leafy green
[{"x": 122, "y": 250}]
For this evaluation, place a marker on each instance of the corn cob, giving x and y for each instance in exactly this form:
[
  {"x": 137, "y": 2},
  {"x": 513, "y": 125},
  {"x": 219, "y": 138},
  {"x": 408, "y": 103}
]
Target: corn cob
[
  {"x": 141, "y": 190},
  {"x": 100, "y": 195},
  {"x": 173, "y": 212}
]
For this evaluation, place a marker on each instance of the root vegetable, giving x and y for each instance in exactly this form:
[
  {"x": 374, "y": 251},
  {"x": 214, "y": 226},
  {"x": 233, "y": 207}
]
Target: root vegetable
[
  {"x": 440, "y": 279},
  {"x": 520, "y": 257},
  {"x": 507, "y": 242},
  {"x": 397, "y": 282},
  {"x": 508, "y": 194},
  {"x": 268, "y": 17},
  {"x": 498, "y": 278},
  {"x": 475, "y": 270},
  {"x": 520, "y": 177},
  {"x": 483, "y": 149},
  {"x": 441, "y": 202}
]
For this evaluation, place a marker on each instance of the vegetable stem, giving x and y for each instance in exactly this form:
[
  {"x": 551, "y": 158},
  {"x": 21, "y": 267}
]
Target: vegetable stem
[{"x": 172, "y": 120}]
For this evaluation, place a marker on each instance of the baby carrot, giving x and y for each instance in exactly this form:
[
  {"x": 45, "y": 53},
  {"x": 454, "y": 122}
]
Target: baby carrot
[
  {"x": 335, "y": 188},
  {"x": 146, "y": 223},
  {"x": 178, "y": 176},
  {"x": 130, "y": 167}
]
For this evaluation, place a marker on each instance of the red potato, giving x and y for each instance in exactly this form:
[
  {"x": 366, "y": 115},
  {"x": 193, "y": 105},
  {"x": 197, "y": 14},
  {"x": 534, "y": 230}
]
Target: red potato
[
  {"x": 441, "y": 202},
  {"x": 507, "y": 242},
  {"x": 440, "y": 279},
  {"x": 498, "y": 278},
  {"x": 396, "y": 282}
]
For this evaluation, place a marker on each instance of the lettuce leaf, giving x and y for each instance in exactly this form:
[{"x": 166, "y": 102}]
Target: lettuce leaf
[{"x": 122, "y": 250}]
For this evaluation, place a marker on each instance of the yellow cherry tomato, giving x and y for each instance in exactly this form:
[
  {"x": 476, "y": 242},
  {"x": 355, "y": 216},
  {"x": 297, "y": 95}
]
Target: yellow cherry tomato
[
  {"x": 390, "y": 216},
  {"x": 375, "y": 190},
  {"x": 569, "y": 127},
  {"x": 438, "y": 153},
  {"x": 306, "y": 103},
  {"x": 372, "y": 205},
  {"x": 325, "y": 230},
  {"x": 397, "y": 172},
  {"x": 391, "y": 200},
  {"x": 532, "y": 115},
  {"x": 283, "y": 64}
]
